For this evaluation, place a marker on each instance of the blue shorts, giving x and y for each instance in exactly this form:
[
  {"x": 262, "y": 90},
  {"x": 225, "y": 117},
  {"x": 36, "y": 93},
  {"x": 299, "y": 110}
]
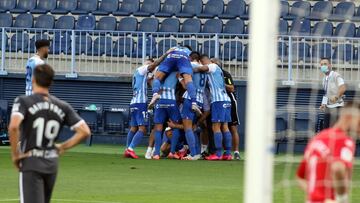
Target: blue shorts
[
  {"x": 166, "y": 109},
  {"x": 186, "y": 112},
  {"x": 221, "y": 112},
  {"x": 138, "y": 114},
  {"x": 179, "y": 64}
]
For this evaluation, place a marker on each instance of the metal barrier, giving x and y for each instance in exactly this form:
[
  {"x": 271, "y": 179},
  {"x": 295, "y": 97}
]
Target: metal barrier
[{"x": 104, "y": 53}]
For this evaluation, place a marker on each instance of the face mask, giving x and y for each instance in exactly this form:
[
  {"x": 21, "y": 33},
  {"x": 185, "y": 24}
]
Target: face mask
[{"x": 324, "y": 69}]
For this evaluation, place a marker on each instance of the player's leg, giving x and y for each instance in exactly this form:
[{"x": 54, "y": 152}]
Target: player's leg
[
  {"x": 188, "y": 116},
  {"x": 227, "y": 141},
  {"x": 175, "y": 116},
  {"x": 141, "y": 121},
  {"x": 218, "y": 141},
  {"x": 49, "y": 182},
  {"x": 158, "y": 140},
  {"x": 150, "y": 149},
  {"x": 133, "y": 124},
  {"x": 31, "y": 187},
  {"x": 165, "y": 147},
  {"x": 235, "y": 141}
]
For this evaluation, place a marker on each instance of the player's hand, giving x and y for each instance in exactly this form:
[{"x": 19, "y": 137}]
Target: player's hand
[
  {"x": 322, "y": 107},
  {"x": 334, "y": 99},
  {"x": 60, "y": 149},
  {"x": 171, "y": 124},
  {"x": 16, "y": 160}
]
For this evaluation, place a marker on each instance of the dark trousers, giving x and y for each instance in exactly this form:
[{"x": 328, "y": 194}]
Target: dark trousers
[
  {"x": 330, "y": 117},
  {"x": 211, "y": 146},
  {"x": 36, "y": 187}
]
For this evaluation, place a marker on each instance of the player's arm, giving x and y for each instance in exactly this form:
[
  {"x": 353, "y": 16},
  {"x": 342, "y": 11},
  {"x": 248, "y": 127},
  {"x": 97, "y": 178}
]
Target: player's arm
[
  {"x": 171, "y": 124},
  {"x": 300, "y": 175},
  {"x": 201, "y": 69},
  {"x": 229, "y": 83},
  {"x": 181, "y": 80},
  {"x": 159, "y": 60},
  {"x": 340, "y": 176}
]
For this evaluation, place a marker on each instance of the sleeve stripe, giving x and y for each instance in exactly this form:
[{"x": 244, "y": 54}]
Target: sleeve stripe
[
  {"x": 77, "y": 124},
  {"x": 17, "y": 114}
]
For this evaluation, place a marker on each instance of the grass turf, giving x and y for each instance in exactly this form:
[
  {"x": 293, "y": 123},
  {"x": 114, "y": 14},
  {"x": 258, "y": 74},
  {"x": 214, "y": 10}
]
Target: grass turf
[{"x": 99, "y": 174}]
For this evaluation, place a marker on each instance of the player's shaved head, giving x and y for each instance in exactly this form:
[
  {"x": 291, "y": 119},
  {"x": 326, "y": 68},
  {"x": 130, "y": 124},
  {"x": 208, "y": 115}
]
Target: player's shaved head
[
  {"x": 44, "y": 75},
  {"x": 195, "y": 56},
  {"x": 205, "y": 60}
]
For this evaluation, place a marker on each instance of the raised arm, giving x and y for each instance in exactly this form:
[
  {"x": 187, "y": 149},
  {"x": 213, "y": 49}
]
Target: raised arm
[{"x": 159, "y": 60}]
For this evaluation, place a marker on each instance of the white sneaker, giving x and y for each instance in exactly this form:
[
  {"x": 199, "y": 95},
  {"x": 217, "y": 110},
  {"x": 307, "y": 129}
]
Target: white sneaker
[
  {"x": 148, "y": 153},
  {"x": 154, "y": 99},
  {"x": 191, "y": 158},
  {"x": 195, "y": 108}
]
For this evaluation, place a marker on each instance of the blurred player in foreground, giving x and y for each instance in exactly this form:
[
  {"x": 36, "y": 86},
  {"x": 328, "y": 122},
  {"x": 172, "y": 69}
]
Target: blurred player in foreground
[
  {"x": 325, "y": 171},
  {"x": 36, "y": 122}
]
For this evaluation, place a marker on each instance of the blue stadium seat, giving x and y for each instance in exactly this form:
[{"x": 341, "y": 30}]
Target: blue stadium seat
[
  {"x": 170, "y": 8},
  {"x": 150, "y": 47},
  {"x": 209, "y": 48},
  {"x": 321, "y": 10},
  {"x": 148, "y": 8},
  {"x": 6, "y": 20},
  {"x": 245, "y": 53},
  {"x": 282, "y": 49},
  {"x": 44, "y": 6},
  {"x": 106, "y": 23},
  {"x": 235, "y": 8},
  {"x": 61, "y": 43},
  {"x": 283, "y": 27},
  {"x": 191, "y": 25},
  {"x": 322, "y": 29},
  {"x": 65, "y": 6},
  {"x": 19, "y": 42},
  {"x": 170, "y": 25},
  {"x": 321, "y": 50},
  {"x": 356, "y": 17},
  {"x": 284, "y": 9},
  {"x": 345, "y": 30},
  {"x": 300, "y": 27},
  {"x": 86, "y": 22},
  {"x": 343, "y": 11},
  {"x": 6, "y": 40},
  {"x": 91, "y": 119},
  {"x": 83, "y": 45},
  {"x": 7, "y": 5},
  {"x": 192, "y": 43},
  {"x": 45, "y": 22},
  {"x": 86, "y": 6},
  {"x": 24, "y": 6},
  {"x": 303, "y": 122},
  {"x": 149, "y": 25},
  {"x": 300, "y": 51},
  {"x": 164, "y": 45},
  {"x": 31, "y": 48},
  {"x": 103, "y": 45},
  {"x": 281, "y": 122},
  {"x": 343, "y": 52},
  {"x": 106, "y": 7},
  {"x": 191, "y": 8},
  {"x": 65, "y": 22},
  {"x": 212, "y": 8},
  {"x": 212, "y": 26},
  {"x": 24, "y": 21},
  {"x": 127, "y": 7},
  {"x": 114, "y": 121},
  {"x": 232, "y": 50},
  {"x": 234, "y": 27},
  {"x": 129, "y": 24},
  {"x": 299, "y": 9},
  {"x": 123, "y": 47}
]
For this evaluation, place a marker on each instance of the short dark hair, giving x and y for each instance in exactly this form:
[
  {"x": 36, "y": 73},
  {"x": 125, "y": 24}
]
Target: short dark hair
[
  {"x": 42, "y": 43},
  {"x": 151, "y": 60},
  {"x": 325, "y": 58},
  {"x": 44, "y": 75},
  {"x": 195, "y": 55},
  {"x": 204, "y": 56},
  {"x": 189, "y": 47}
]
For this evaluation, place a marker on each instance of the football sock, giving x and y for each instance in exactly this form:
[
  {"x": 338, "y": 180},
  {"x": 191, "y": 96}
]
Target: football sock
[
  {"x": 157, "y": 142},
  {"x": 227, "y": 142},
  {"x": 129, "y": 137},
  {"x": 190, "y": 138},
  {"x": 203, "y": 148},
  {"x": 197, "y": 144},
  {"x": 218, "y": 143},
  {"x": 137, "y": 139},
  {"x": 190, "y": 87},
  {"x": 156, "y": 86},
  {"x": 174, "y": 140}
]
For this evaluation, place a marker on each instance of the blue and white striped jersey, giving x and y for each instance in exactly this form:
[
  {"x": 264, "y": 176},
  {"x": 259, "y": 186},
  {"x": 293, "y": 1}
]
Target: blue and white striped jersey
[
  {"x": 168, "y": 87},
  {"x": 200, "y": 80},
  {"x": 30, "y": 66},
  {"x": 139, "y": 85},
  {"x": 217, "y": 84}
]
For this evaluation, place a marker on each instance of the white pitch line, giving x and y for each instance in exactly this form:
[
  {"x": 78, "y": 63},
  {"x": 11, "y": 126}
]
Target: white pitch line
[{"x": 62, "y": 200}]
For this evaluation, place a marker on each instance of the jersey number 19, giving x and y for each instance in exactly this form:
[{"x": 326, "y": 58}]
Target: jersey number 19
[{"x": 49, "y": 129}]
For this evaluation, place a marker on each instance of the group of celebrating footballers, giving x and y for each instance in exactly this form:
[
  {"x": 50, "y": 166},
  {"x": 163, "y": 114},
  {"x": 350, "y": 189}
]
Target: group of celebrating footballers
[{"x": 191, "y": 93}]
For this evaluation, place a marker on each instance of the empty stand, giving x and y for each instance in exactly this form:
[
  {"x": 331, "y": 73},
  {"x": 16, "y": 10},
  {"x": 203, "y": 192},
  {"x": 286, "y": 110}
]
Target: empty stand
[
  {"x": 169, "y": 8},
  {"x": 149, "y": 7},
  {"x": 149, "y": 25},
  {"x": 191, "y": 8},
  {"x": 107, "y": 23},
  {"x": 235, "y": 8},
  {"x": 128, "y": 24},
  {"x": 45, "y": 22},
  {"x": 127, "y": 7},
  {"x": 6, "y": 20},
  {"x": 24, "y": 6},
  {"x": 124, "y": 47},
  {"x": 324, "y": 29},
  {"x": 65, "y": 22},
  {"x": 24, "y": 21},
  {"x": 299, "y": 9},
  {"x": 343, "y": 11},
  {"x": 86, "y": 6},
  {"x": 44, "y": 6},
  {"x": 212, "y": 8},
  {"x": 65, "y": 6},
  {"x": 106, "y": 7},
  {"x": 321, "y": 10}
]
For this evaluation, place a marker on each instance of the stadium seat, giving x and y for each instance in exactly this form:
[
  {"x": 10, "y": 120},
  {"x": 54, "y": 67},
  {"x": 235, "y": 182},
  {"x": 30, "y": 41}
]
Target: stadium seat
[
  {"x": 86, "y": 22},
  {"x": 65, "y": 6},
  {"x": 6, "y": 20},
  {"x": 149, "y": 25},
  {"x": 171, "y": 25},
  {"x": 303, "y": 122},
  {"x": 170, "y": 8},
  {"x": 61, "y": 43},
  {"x": 232, "y": 50},
  {"x": 345, "y": 30},
  {"x": 322, "y": 29},
  {"x": 299, "y": 9},
  {"x": 212, "y": 26},
  {"x": 31, "y": 47},
  {"x": 106, "y": 7},
  {"x": 281, "y": 122},
  {"x": 85, "y": 7},
  {"x": 6, "y": 40},
  {"x": 300, "y": 27},
  {"x": 24, "y": 21},
  {"x": 192, "y": 43},
  {"x": 24, "y": 6},
  {"x": 321, "y": 10},
  {"x": 321, "y": 50},
  {"x": 164, "y": 45},
  {"x": 283, "y": 27},
  {"x": 114, "y": 121},
  {"x": 19, "y": 42},
  {"x": 106, "y": 23},
  {"x": 235, "y": 8},
  {"x": 7, "y": 5},
  {"x": 234, "y": 26},
  {"x": 356, "y": 17},
  {"x": 284, "y": 9},
  {"x": 44, "y": 6},
  {"x": 343, "y": 53},
  {"x": 123, "y": 47},
  {"x": 65, "y": 22},
  {"x": 282, "y": 51},
  {"x": 148, "y": 8},
  {"x": 300, "y": 51},
  {"x": 127, "y": 7},
  {"x": 191, "y": 25},
  {"x": 103, "y": 45},
  {"x": 91, "y": 118},
  {"x": 45, "y": 22},
  {"x": 191, "y": 8},
  {"x": 150, "y": 47},
  {"x": 128, "y": 24},
  {"x": 83, "y": 45},
  {"x": 212, "y": 8},
  {"x": 343, "y": 11},
  {"x": 209, "y": 48},
  {"x": 245, "y": 53}
]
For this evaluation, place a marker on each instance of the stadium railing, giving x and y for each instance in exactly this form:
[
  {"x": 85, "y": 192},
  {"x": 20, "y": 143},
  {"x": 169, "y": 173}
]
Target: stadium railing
[{"x": 115, "y": 53}]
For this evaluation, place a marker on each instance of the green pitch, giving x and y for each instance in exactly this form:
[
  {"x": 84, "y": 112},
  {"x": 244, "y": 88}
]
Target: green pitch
[{"x": 99, "y": 174}]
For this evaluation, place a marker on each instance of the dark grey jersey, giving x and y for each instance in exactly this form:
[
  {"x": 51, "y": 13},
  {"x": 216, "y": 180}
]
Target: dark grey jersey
[{"x": 43, "y": 118}]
